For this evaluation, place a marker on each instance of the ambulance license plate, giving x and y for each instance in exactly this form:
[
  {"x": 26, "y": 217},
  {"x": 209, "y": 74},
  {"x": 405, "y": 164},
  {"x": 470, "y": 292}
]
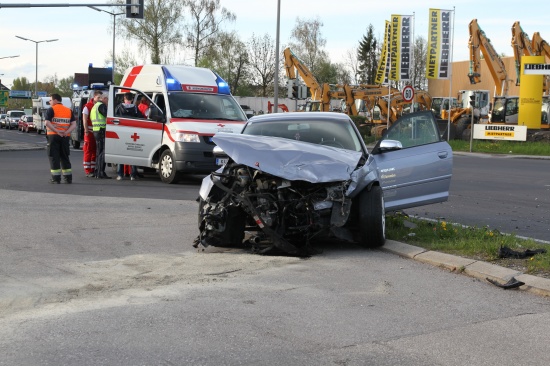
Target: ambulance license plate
[{"x": 221, "y": 161}]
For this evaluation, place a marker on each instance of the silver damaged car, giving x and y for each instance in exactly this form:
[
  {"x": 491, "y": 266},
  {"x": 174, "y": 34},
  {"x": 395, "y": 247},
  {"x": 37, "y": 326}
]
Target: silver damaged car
[{"x": 291, "y": 179}]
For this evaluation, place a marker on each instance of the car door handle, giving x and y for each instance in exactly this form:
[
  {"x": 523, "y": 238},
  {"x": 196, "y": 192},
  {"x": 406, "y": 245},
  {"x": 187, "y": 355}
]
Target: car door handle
[
  {"x": 116, "y": 121},
  {"x": 443, "y": 154}
]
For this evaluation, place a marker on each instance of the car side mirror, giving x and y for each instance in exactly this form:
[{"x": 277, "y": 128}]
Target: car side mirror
[
  {"x": 387, "y": 145},
  {"x": 156, "y": 114}
]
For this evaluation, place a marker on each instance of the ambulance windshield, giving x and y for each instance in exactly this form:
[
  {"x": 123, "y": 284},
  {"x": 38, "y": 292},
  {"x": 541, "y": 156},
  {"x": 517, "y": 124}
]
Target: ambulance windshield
[{"x": 204, "y": 106}]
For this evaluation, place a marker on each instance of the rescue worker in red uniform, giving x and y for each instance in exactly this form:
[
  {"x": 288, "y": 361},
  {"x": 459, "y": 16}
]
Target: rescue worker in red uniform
[
  {"x": 89, "y": 147},
  {"x": 60, "y": 122}
]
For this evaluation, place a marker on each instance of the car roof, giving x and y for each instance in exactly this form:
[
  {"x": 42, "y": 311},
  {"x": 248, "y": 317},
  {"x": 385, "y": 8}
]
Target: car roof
[{"x": 296, "y": 116}]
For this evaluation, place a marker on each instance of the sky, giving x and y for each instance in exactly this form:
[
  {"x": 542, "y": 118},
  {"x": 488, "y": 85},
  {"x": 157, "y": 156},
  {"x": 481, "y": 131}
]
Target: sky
[{"x": 85, "y": 36}]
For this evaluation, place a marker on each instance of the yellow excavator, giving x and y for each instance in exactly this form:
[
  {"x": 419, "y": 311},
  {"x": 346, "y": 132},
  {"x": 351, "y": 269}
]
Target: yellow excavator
[
  {"x": 374, "y": 97},
  {"x": 475, "y": 103}
]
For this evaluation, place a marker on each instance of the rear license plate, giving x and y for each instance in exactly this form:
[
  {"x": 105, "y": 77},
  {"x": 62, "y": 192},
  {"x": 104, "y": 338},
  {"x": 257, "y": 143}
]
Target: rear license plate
[{"x": 221, "y": 161}]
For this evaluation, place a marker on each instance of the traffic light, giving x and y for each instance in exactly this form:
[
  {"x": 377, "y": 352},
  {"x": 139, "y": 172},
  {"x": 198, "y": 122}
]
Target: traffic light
[
  {"x": 295, "y": 90},
  {"x": 473, "y": 100},
  {"x": 289, "y": 85},
  {"x": 134, "y": 9},
  {"x": 302, "y": 92}
]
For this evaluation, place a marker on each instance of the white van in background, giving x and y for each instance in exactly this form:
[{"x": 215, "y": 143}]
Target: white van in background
[{"x": 39, "y": 107}]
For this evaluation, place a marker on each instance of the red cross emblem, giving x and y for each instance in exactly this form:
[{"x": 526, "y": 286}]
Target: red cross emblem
[{"x": 134, "y": 137}]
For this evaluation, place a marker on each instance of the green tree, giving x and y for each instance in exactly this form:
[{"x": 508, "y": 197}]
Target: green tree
[
  {"x": 206, "y": 18},
  {"x": 65, "y": 86},
  {"x": 160, "y": 28},
  {"x": 227, "y": 55},
  {"x": 262, "y": 62},
  {"x": 419, "y": 80},
  {"x": 367, "y": 56},
  {"x": 307, "y": 42}
]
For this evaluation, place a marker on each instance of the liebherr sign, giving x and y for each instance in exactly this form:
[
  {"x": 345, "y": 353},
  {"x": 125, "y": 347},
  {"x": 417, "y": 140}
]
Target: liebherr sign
[
  {"x": 536, "y": 69},
  {"x": 438, "y": 55},
  {"x": 500, "y": 132}
]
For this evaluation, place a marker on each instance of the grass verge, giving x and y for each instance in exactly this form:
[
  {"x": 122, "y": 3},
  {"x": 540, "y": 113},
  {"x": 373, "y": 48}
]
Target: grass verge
[
  {"x": 503, "y": 147},
  {"x": 479, "y": 243}
]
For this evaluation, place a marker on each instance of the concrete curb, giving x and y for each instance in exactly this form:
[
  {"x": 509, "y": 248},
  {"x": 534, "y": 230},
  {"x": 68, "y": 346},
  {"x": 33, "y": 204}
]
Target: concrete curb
[{"x": 471, "y": 267}]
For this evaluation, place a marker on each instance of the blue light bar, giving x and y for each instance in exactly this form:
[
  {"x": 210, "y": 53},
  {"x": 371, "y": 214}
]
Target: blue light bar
[
  {"x": 172, "y": 84},
  {"x": 223, "y": 86}
]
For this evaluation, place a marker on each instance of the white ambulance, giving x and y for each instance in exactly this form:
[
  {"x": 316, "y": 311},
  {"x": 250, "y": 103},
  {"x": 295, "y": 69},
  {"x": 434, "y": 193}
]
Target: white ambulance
[{"x": 188, "y": 105}]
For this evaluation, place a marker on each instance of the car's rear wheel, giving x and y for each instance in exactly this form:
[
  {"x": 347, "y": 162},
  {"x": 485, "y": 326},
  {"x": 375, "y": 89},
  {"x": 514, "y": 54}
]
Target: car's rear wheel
[
  {"x": 76, "y": 144},
  {"x": 167, "y": 168},
  {"x": 372, "y": 220}
]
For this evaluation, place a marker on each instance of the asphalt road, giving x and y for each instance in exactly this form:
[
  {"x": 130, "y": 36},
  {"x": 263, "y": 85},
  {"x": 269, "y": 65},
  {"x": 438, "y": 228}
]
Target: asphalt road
[
  {"x": 102, "y": 272},
  {"x": 509, "y": 194}
]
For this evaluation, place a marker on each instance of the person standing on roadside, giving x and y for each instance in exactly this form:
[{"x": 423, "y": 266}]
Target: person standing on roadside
[
  {"x": 89, "y": 147},
  {"x": 98, "y": 116},
  {"x": 60, "y": 122}
]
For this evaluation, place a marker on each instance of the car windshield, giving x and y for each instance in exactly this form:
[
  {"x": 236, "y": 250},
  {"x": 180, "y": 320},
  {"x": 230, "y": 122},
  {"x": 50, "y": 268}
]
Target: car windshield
[
  {"x": 17, "y": 114},
  {"x": 321, "y": 132},
  {"x": 204, "y": 106}
]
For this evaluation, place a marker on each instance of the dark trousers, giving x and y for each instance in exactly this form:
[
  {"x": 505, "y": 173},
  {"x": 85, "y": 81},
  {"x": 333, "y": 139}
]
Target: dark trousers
[
  {"x": 58, "y": 154},
  {"x": 100, "y": 153}
]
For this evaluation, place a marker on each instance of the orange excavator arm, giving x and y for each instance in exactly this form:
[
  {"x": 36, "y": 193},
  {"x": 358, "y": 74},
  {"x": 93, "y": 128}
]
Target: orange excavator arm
[
  {"x": 293, "y": 64},
  {"x": 522, "y": 46},
  {"x": 480, "y": 43}
]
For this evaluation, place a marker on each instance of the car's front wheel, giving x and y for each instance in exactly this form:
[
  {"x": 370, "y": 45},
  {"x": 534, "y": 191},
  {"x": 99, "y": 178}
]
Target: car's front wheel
[
  {"x": 167, "y": 168},
  {"x": 372, "y": 218}
]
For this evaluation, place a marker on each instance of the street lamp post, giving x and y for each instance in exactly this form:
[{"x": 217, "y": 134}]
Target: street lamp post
[
  {"x": 36, "y": 66},
  {"x": 114, "y": 30}
]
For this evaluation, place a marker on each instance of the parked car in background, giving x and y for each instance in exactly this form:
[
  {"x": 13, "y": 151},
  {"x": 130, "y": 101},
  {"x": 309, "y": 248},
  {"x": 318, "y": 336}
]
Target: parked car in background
[
  {"x": 290, "y": 179},
  {"x": 3, "y": 120},
  {"x": 248, "y": 111},
  {"x": 26, "y": 124},
  {"x": 12, "y": 119}
]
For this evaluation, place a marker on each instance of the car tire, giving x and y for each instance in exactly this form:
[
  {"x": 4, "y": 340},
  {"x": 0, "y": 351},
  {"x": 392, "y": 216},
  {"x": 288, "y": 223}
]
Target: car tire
[
  {"x": 76, "y": 144},
  {"x": 461, "y": 125},
  {"x": 372, "y": 218},
  {"x": 167, "y": 168}
]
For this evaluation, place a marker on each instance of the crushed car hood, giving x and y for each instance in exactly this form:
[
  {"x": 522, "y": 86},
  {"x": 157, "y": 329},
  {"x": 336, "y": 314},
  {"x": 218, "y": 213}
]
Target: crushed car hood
[{"x": 290, "y": 159}]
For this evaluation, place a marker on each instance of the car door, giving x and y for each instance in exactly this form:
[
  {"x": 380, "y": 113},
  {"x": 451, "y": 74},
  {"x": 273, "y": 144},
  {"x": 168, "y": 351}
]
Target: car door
[
  {"x": 418, "y": 173},
  {"x": 129, "y": 139}
]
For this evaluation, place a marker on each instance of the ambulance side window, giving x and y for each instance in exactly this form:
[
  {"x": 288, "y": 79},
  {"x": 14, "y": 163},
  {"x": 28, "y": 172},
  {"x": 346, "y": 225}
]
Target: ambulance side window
[{"x": 159, "y": 100}]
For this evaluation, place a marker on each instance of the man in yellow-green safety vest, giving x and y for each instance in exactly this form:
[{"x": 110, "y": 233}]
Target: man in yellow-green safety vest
[{"x": 98, "y": 115}]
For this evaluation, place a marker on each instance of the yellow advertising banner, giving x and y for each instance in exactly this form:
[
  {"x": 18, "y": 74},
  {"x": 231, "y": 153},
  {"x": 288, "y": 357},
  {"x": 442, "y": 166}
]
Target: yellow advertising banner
[
  {"x": 400, "y": 47},
  {"x": 382, "y": 63},
  {"x": 530, "y": 94},
  {"x": 438, "y": 55}
]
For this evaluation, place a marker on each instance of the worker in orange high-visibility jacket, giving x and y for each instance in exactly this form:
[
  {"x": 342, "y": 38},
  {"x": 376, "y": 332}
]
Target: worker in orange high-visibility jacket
[
  {"x": 89, "y": 148},
  {"x": 60, "y": 122}
]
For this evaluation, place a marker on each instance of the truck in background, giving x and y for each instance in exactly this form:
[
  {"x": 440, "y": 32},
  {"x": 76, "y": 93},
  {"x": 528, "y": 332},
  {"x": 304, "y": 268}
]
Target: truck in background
[
  {"x": 187, "y": 107},
  {"x": 98, "y": 78}
]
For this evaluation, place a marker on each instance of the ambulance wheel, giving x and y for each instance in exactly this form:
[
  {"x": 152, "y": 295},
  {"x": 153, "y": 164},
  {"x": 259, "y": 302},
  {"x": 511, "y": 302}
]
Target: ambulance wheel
[
  {"x": 167, "y": 168},
  {"x": 76, "y": 144}
]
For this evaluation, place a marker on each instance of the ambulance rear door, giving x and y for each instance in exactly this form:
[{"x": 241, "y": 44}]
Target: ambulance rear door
[{"x": 132, "y": 140}]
